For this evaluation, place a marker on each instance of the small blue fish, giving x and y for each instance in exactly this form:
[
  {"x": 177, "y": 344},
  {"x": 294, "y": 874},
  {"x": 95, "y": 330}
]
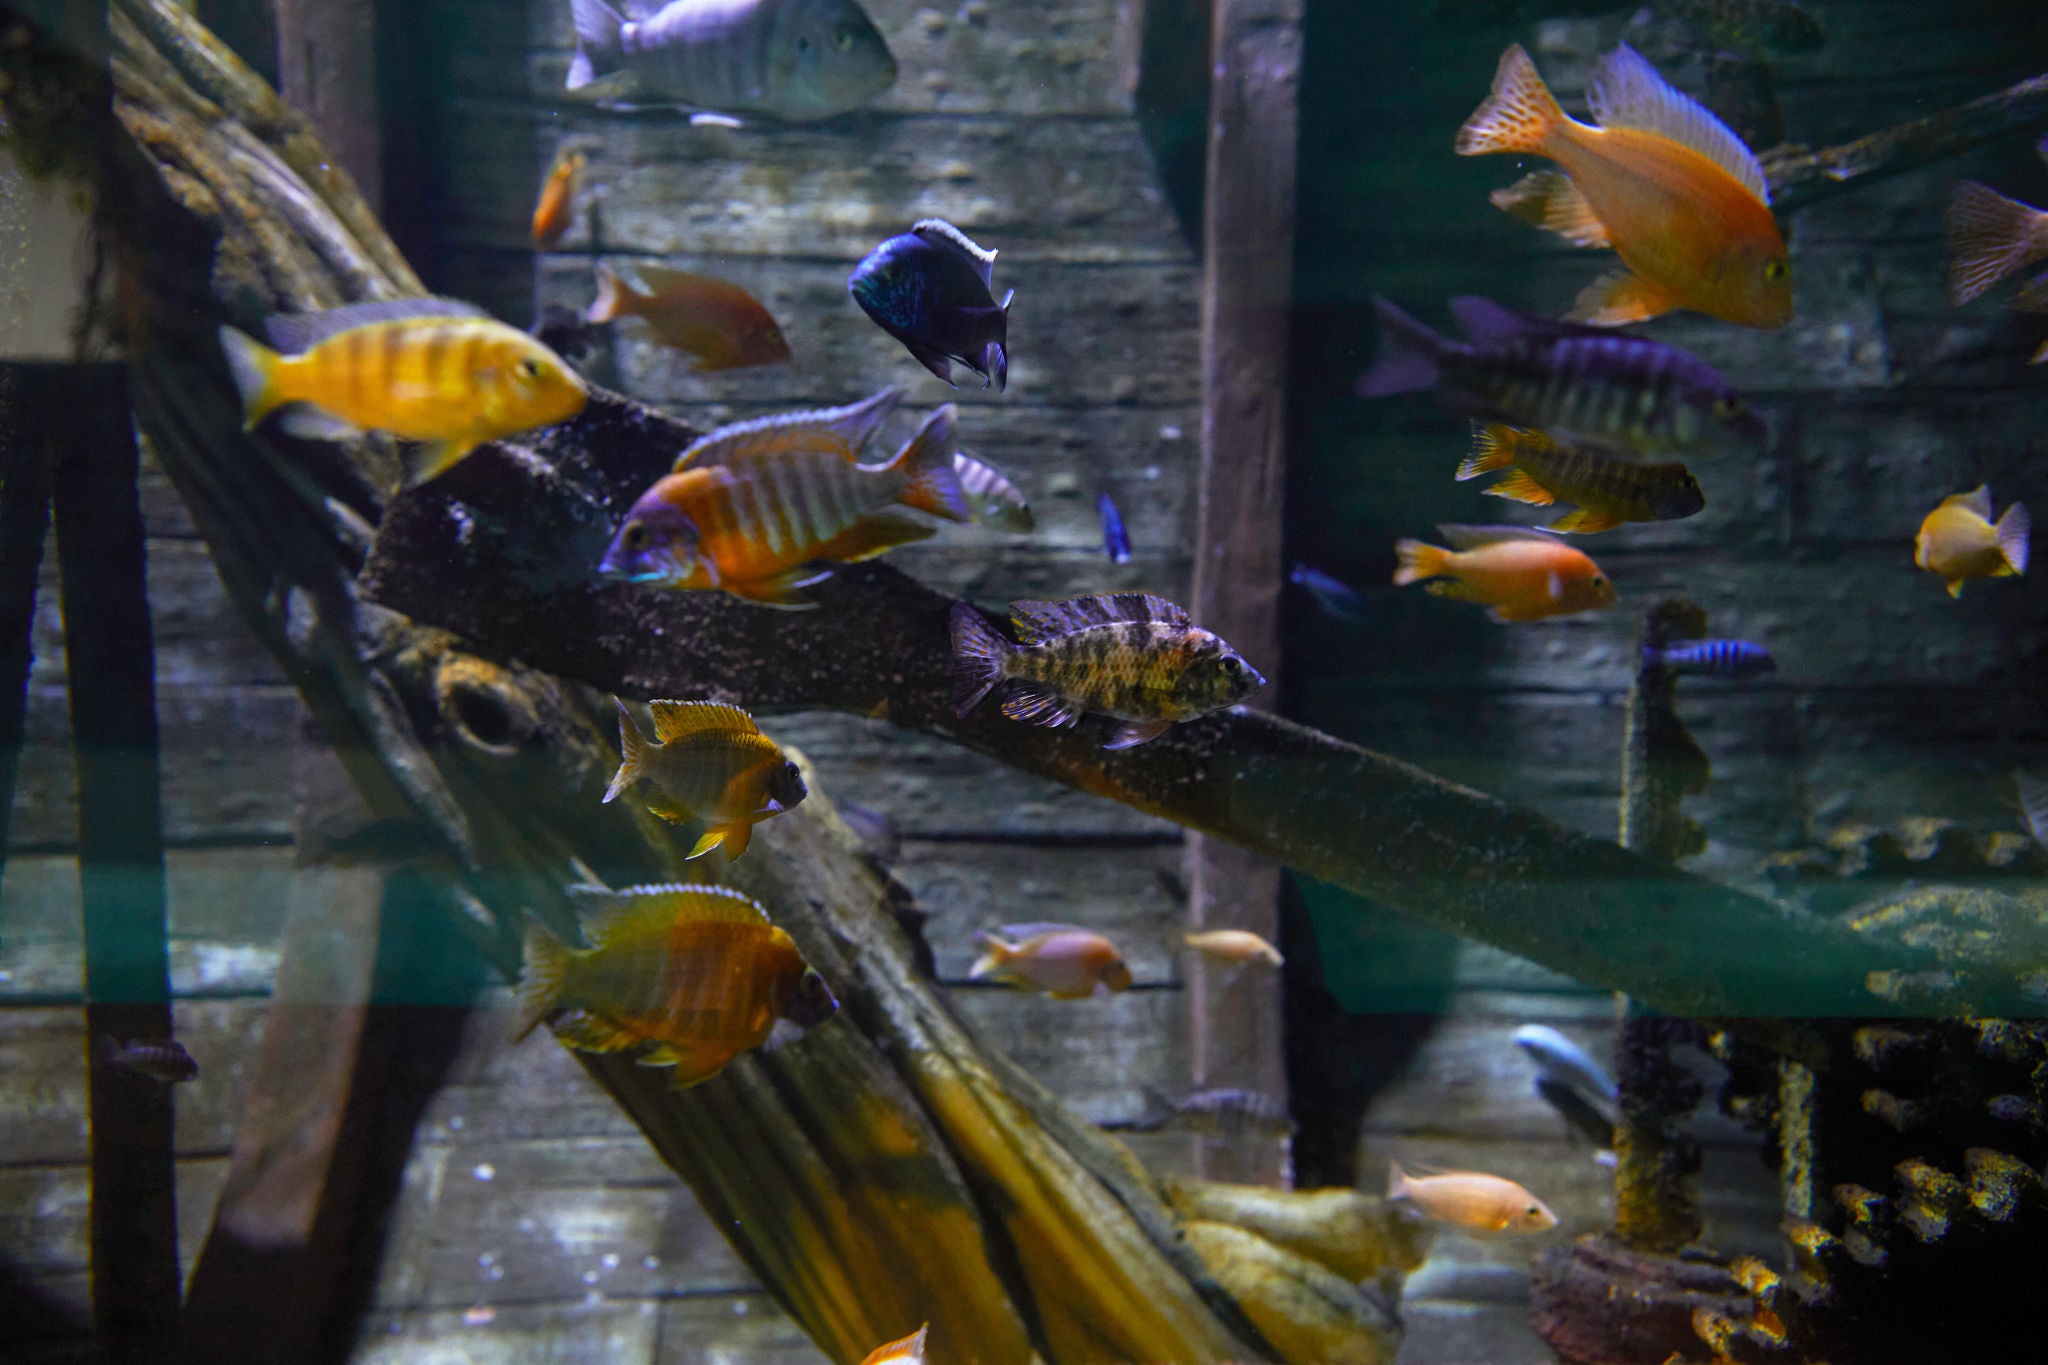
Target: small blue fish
[
  {"x": 930, "y": 289},
  {"x": 1712, "y": 658},
  {"x": 1337, "y": 598},
  {"x": 1563, "y": 1061},
  {"x": 1116, "y": 541}
]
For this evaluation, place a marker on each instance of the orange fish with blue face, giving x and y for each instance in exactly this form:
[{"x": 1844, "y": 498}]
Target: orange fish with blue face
[{"x": 1661, "y": 180}]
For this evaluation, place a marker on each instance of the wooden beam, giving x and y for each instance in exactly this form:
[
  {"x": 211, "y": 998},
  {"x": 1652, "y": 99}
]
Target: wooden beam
[
  {"x": 327, "y": 70},
  {"x": 1247, "y": 276},
  {"x": 24, "y": 529}
]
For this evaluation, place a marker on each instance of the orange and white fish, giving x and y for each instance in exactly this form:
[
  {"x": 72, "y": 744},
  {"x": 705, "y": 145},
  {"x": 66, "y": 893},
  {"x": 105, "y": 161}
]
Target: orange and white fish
[
  {"x": 1064, "y": 961},
  {"x": 1523, "y": 574},
  {"x": 707, "y": 762},
  {"x": 1958, "y": 541},
  {"x": 1661, "y": 180},
  {"x": 715, "y": 322},
  {"x": 1470, "y": 1200},
  {"x": 1234, "y": 947},
  {"x": 903, "y": 1351},
  {"x": 437, "y": 372},
  {"x": 693, "y": 975},
  {"x": 555, "y": 207},
  {"x": 752, "y": 505}
]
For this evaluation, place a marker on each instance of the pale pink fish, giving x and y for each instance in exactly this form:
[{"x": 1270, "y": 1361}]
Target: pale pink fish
[
  {"x": 1234, "y": 948},
  {"x": 1470, "y": 1200},
  {"x": 1064, "y": 961}
]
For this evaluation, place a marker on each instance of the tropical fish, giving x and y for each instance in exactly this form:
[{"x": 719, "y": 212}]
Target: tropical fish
[
  {"x": 719, "y": 324},
  {"x": 994, "y": 499},
  {"x": 1234, "y": 947},
  {"x": 695, "y": 975},
  {"x": 1226, "y": 1114},
  {"x": 1063, "y": 961},
  {"x": 707, "y": 762},
  {"x": 791, "y": 59},
  {"x": 1711, "y": 658},
  {"x": 1116, "y": 541},
  {"x": 1335, "y": 597},
  {"x": 435, "y": 372},
  {"x": 1751, "y": 25},
  {"x": 1524, "y": 575},
  {"x": 1560, "y": 1059},
  {"x": 1958, "y": 541},
  {"x": 1661, "y": 180},
  {"x": 931, "y": 288},
  {"x": 1583, "y": 385},
  {"x": 555, "y": 207},
  {"x": 163, "y": 1060},
  {"x": 1470, "y": 1200},
  {"x": 1607, "y": 492},
  {"x": 751, "y": 505},
  {"x": 2033, "y": 804},
  {"x": 1132, "y": 656},
  {"x": 903, "y": 1351},
  {"x": 1989, "y": 237}
]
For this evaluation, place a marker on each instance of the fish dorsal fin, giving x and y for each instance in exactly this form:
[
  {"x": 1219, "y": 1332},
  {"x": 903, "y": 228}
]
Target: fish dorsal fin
[
  {"x": 291, "y": 333},
  {"x": 844, "y": 430},
  {"x": 939, "y": 232},
  {"x": 611, "y": 917},
  {"x": 1626, "y": 92},
  {"x": 1037, "y": 622},
  {"x": 1018, "y": 933},
  {"x": 1485, "y": 321},
  {"x": 1977, "y": 500},
  {"x": 674, "y": 719},
  {"x": 1472, "y": 537}
]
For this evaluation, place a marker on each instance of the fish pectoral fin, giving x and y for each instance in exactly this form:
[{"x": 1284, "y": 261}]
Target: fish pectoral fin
[
  {"x": 425, "y": 460},
  {"x": 1519, "y": 487},
  {"x": 666, "y": 806},
  {"x": 710, "y": 839},
  {"x": 877, "y": 533},
  {"x": 1955, "y": 587},
  {"x": 309, "y": 423},
  {"x": 784, "y": 591},
  {"x": 938, "y": 362},
  {"x": 1584, "y": 522},
  {"x": 1621, "y": 297},
  {"x": 1038, "y": 704},
  {"x": 587, "y": 1032},
  {"x": 1132, "y": 733},
  {"x": 1549, "y": 200}
]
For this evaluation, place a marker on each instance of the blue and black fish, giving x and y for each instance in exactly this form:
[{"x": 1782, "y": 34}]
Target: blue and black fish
[
  {"x": 1336, "y": 598},
  {"x": 930, "y": 289},
  {"x": 1116, "y": 541},
  {"x": 1712, "y": 658}
]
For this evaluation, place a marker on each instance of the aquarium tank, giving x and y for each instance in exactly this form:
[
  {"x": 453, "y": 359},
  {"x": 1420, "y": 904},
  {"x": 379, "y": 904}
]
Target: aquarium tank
[{"x": 1023, "y": 682}]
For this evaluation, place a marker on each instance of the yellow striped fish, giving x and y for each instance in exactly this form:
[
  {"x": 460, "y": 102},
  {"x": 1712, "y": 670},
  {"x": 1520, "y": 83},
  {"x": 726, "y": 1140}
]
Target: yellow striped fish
[
  {"x": 693, "y": 975},
  {"x": 707, "y": 762},
  {"x": 1129, "y": 655},
  {"x": 1607, "y": 492},
  {"x": 436, "y": 372},
  {"x": 752, "y": 506}
]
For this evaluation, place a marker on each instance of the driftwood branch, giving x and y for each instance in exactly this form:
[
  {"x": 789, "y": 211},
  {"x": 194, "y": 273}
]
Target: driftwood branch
[{"x": 1800, "y": 176}]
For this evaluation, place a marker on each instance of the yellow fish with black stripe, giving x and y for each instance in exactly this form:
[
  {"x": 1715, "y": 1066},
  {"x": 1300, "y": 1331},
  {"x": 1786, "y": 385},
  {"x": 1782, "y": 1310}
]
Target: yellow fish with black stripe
[
  {"x": 1606, "y": 492},
  {"x": 439, "y": 373},
  {"x": 1136, "y": 658},
  {"x": 707, "y": 762}
]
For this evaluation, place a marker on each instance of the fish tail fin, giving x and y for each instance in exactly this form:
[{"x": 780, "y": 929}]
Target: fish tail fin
[
  {"x": 1519, "y": 114},
  {"x": 632, "y": 754},
  {"x": 1989, "y": 237},
  {"x": 1493, "y": 447},
  {"x": 1397, "y": 1181},
  {"x": 545, "y": 961},
  {"x": 600, "y": 42},
  {"x": 2013, "y": 529},
  {"x": 1409, "y": 358},
  {"x": 979, "y": 656},
  {"x": 995, "y": 954},
  {"x": 1418, "y": 561},
  {"x": 926, "y": 463},
  {"x": 610, "y": 303},
  {"x": 254, "y": 367}
]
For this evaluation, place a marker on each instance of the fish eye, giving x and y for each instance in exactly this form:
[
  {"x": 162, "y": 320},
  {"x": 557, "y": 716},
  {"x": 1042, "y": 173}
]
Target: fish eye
[
  {"x": 1231, "y": 665},
  {"x": 1728, "y": 406},
  {"x": 530, "y": 368},
  {"x": 635, "y": 536},
  {"x": 1776, "y": 270},
  {"x": 1533, "y": 1211},
  {"x": 843, "y": 40},
  {"x": 803, "y": 45},
  {"x": 1599, "y": 580}
]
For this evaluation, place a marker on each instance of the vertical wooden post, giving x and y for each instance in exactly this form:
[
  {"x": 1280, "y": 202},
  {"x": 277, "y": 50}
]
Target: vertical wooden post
[
  {"x": 1247, "y": 277},
  {"x": 24, "y": 529},
  {"x": 327, "y": 70}
]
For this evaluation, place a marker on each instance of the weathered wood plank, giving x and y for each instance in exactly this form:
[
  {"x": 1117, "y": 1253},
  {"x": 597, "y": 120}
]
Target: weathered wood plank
[
  {"x": 200, "y": 642},
  {"x": 43, "y": 1218},
  {"x": 1098, "y": 1055},
  {"x": 624, "y": 1332}
]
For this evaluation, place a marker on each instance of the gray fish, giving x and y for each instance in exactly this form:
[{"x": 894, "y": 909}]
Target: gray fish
[
  {"x": 791, "y": 59},
  {"x": 1224, "y": 1114},
  {"x": 1560, "y": 1059},
  {"x": 165, "y": 1061}
]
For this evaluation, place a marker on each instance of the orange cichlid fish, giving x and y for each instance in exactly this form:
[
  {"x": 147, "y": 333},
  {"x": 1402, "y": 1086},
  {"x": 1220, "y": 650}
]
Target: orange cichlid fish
[
  {"x": 1234, "y": 947},
  {"x": 1134, "y": 657},
  {"x": 709, "y": 762},
  {"x": 693, "y": 975},
  {"x": 1661, "y": 180},
  {"x": 1606, "y": 491},
  {"x": 717, "y": 323},
  {"x": 436, "y": 372},
  {"x": 556, "y": 206},
  {"x": 752, "y": 505},
  {"x": 1469, "y": 1200},
  {"x": 1958, "y": 541},
  {"x": 1523, "y": 574},
  {"x": 903, "y": 1351},
  {"x": 1064, "y": 961}
]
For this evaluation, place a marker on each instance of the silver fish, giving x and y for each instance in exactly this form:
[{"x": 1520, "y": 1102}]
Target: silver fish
[
  {"x": 790, "y": 59},
  {"x": 165, "y": 1060},
  {"x": 1560, "y": 1059}
]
